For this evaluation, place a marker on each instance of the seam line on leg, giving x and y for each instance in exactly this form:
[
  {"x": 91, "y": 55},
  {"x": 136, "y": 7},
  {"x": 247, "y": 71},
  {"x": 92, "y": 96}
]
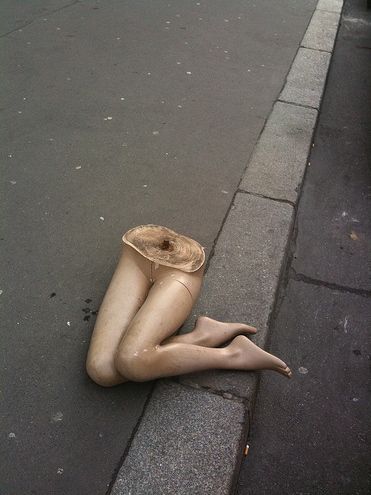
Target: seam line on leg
[{"x": 184, "y": 285}]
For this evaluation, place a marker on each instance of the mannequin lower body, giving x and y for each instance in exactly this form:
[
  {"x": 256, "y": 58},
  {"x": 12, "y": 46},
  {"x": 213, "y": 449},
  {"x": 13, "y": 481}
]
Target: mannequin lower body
[{"x": 145, "y": 304}]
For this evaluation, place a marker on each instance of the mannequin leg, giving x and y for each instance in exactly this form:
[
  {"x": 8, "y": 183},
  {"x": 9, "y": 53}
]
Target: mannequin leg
[
  {"x": 211, "y": 333},
  {"x": 141, "y": 357},
  {"x": 126, "y": 293}
]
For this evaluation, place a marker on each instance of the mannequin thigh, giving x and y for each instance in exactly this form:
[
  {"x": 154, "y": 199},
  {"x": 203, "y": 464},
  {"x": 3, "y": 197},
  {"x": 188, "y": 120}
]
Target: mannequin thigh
[
  {"x": 125, "y": 295},
  {"x": 167, "y": 306}
]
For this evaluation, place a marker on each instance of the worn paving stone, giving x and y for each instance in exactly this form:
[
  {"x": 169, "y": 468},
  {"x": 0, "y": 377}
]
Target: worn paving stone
[
  {"x": 330, "y": 5},
  {"x": 321, "y": 32},
  {"x": 242, "y": 279},
  {"x": 306, "y": 79},
  {"x": 278, "y": 163},
  {"x": 186, "y": 443}
]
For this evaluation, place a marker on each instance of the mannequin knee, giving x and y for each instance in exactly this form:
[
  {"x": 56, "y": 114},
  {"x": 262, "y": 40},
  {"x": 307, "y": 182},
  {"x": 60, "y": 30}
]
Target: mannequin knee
[
  {"x": 134, "y": 364},
  {"x": 101, "y": 370}
]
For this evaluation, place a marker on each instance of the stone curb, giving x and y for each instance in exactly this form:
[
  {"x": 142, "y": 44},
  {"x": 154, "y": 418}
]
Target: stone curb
[
  {"x": 191, "y": 436},
  {"x": 185, "y": 437},
  {"x": 278, "y": 162}
]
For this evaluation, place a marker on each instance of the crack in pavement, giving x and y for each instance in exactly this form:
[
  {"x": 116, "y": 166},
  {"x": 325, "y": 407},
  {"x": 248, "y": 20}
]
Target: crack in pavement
[
  {"x": 301, "y": 277},
  {"x": 38, "y": 17}
]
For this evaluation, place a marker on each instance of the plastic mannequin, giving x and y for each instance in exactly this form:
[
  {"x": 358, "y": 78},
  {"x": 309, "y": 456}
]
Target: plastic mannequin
[{"x": 152, "y": 291}]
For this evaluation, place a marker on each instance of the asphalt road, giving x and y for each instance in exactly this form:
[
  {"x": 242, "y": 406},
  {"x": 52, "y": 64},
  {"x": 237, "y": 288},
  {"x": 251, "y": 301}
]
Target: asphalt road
[
  {"x": 312, "y": 435},
  {"x": 114, "y": 114}
]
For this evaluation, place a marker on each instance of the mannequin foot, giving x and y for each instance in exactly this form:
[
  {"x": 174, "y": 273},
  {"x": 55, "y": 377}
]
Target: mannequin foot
[
  {"x": 249, "y": 356},
  {"x": 211, "y": 333}
]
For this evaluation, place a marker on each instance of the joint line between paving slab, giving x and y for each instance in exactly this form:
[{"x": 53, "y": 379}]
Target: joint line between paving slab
[
  {"x": 295, "y": 104},
  {"x": 300, "y": 277},
  {"x": 286, "y": 201},
  {"x": 39, "y": 17},
  {"x": 126, "y": 451},
  {"x": 330, "y": 11},
  {"x": 316, "y": 49}
]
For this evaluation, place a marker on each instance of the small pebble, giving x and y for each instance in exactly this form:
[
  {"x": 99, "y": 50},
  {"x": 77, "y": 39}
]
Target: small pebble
[
  {"x": 78, "y": 168},
  {"x": 101, "y": 218},
  {"x": 58, "y": 416},
  {"x": 11, "y": 435},
  {"x": 303, "y": 370},
  {"x": 69, "y": 323},
  {"x": 155, "y": 133},
  {"x": 60, "y": 470}
]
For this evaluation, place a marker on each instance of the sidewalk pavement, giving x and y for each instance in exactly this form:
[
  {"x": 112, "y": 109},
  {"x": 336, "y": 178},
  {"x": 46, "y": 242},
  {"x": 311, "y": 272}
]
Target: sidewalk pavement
[
  {"x": 192, "y": 435},
  {"x": 111, "y": 108}
]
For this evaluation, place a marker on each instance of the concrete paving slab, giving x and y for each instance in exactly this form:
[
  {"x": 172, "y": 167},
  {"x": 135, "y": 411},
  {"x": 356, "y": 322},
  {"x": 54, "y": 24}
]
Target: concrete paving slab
[
  {"x": 242, "y": 278},
  {"x": 306, "y": 79},
  {"x": 186, "y": 444},
  {"x": 311, "y": 433},
  {"x": 277, "y": 166},
  {"x": 321, "y": 32},
  {"x": 330, "y": 5}
]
